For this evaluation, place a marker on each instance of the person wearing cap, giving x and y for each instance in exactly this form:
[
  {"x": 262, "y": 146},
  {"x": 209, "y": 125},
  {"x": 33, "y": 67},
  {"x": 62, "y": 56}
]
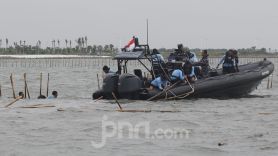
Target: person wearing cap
[
  {"x": 106, "y": 71},
  {"x": 184, "y": 53}
]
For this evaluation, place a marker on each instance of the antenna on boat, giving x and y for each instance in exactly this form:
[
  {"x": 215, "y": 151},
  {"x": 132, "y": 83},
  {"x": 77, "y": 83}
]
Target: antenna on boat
[{"x": 147, "y": 31}]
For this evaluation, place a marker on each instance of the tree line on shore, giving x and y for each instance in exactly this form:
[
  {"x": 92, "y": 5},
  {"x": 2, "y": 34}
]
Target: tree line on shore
[{"x": 80, "y": 46}]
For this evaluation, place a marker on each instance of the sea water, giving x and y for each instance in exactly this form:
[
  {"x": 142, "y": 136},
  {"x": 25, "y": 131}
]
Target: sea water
[{"x": 78, "y": 125}]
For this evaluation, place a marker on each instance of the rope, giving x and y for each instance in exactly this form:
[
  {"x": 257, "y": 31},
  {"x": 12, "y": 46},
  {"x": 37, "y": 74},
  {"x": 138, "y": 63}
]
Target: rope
[{"x": 184, "y": 95}]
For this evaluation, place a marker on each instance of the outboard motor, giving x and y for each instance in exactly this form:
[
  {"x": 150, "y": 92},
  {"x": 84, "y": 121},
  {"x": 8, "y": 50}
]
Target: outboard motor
[
  {"x": 129, "y": 86},
  {"x": 110, "y": 84}
]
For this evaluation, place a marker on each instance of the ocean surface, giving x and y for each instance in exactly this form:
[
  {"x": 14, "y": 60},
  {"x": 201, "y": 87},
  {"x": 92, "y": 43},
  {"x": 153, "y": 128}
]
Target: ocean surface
[{"x": 75, "y": 123}]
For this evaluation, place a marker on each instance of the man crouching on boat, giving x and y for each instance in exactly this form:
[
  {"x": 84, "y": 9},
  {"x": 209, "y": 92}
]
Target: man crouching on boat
[
  {"x": 177, "y": 75},
  {"x": 106, "y": 71},
  {"x": 189, "y": 71},
  {"x": 159, "y": 83}
]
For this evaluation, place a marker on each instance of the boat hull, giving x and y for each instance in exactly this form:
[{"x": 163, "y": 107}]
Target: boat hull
[{"x": 222, "y": 86}]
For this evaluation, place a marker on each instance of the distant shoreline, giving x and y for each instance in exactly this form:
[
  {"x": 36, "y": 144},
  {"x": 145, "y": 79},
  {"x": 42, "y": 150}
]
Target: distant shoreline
[
  {"x": 50, "y": 56},
  {"x": 108, "y": 57}
]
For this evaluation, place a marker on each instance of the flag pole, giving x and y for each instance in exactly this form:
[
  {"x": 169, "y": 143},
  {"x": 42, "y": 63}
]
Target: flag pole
[{"x": 147, "y": 31}]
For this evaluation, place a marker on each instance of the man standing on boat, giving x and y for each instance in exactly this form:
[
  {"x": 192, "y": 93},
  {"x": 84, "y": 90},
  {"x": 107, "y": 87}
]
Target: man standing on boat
[
  {"x": 229, "y": 61},
  {"x": 158, "y": 63},
  {"x": 157, "y": 57}
]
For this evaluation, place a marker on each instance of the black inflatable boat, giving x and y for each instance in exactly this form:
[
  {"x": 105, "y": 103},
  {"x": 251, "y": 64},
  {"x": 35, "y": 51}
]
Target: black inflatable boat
[
  {"x": 218, "y": 85},
  {"x": 229, "y": 85},
  {"x": 238, "y": 84}
]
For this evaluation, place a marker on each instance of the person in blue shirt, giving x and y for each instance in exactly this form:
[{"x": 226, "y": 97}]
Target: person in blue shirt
[
  {"x": 177, "y": 75},
  {"x": 53, "y": 96},
  {"x": 159, "y": 82}
]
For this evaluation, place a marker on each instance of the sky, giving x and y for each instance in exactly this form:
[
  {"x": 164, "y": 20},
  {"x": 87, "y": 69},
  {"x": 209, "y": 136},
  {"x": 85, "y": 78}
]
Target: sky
[{"x": 195, "y": 23}]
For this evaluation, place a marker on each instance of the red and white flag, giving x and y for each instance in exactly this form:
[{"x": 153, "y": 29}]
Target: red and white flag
[{"x": 131, "y": 44}]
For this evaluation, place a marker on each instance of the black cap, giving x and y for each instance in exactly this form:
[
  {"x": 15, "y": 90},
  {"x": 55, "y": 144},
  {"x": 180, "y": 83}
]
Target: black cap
[
  {"x": 105, "y": 68},
  {"x": 155, "y": 51},
  {"x": 54, "y": 92},
  {"x": 180, "y": 46}
]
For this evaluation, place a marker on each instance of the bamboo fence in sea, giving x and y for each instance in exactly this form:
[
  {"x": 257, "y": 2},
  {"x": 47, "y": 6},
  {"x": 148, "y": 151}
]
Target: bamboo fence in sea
[{"x": 85, "y": 62}]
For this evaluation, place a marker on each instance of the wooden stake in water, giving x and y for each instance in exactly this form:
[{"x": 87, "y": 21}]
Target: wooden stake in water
[
  {"x": 98, "y": 82},
  {"x": 40, "y": 84},
  {"x": 117, "y": 101},
  {"x": 26, "y": 87},
  {"x": 99, "y": 98},
  {"x": 271, "y": 81},
  {"x": 12, "y": 83},
  {"x": 47, "y": 86},
  {"x": 0, "y": 90},
  {"x": 267, "y": 87}
]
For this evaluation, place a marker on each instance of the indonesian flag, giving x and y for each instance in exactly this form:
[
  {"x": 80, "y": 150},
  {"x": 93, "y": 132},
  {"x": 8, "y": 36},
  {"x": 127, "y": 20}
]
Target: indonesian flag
[{"x": 131, "y": 44}]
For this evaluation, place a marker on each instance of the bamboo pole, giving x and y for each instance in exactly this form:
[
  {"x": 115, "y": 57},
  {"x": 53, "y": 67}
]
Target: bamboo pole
[
  {"x": 99, "y": 98},
  {"x": 134, "y": 111},
  {"x": 117, "y": 101},
  {"x": 25, "y": 87},
  {"x": 98, "y": 82},
  {"x": 40, "y": 84},
  {"x": 20, "y": 97},
  {"x": 12, "y": 83},
  {"x": 271, "y": 81},
  {"x": 141, "y": 111},
  {"x": 47, "y": 86},
  {"x": 38, "y": 106},
  {"x": 164, "y": 91},
  {"x": 267, "y": 87},
  {"x": 27, "y": 91}
]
